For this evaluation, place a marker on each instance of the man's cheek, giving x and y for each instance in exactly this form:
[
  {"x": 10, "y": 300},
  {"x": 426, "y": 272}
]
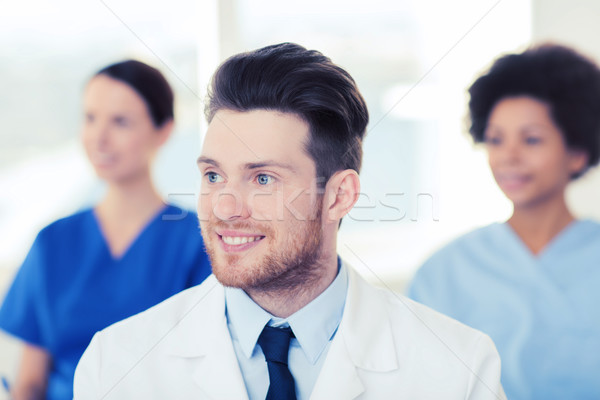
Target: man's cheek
[{"x": 265, "y": 206}]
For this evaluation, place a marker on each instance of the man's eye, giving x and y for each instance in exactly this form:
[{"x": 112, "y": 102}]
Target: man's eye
[
  {"x": 264, "y": 179},
  {"x": 213, "y": 177}
]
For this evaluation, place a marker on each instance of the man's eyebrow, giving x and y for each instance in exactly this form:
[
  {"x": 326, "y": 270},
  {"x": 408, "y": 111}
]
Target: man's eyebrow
[
  {"x": 249, "y": 166},
  {"x": 268, "y": 163},
  {"x": 206, "y": 160}
]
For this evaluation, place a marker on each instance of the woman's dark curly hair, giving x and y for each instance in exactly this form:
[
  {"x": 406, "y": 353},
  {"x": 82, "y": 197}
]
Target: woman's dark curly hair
[{"x": 557, "y": 75}]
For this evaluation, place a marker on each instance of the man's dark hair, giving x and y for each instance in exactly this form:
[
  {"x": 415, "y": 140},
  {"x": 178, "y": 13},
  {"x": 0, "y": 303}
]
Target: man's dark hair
[
  {"x": 149, "y": 83},
  {"x": 289, "y": 78},
  {"x": 556, "y": 75}
]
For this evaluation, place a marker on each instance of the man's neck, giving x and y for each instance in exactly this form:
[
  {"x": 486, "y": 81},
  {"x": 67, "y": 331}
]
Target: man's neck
[{"x": 284, "y": 302}]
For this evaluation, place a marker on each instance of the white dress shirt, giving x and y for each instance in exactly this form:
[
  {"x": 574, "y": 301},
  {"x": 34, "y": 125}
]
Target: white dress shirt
[{"x": 314, "y": 327}]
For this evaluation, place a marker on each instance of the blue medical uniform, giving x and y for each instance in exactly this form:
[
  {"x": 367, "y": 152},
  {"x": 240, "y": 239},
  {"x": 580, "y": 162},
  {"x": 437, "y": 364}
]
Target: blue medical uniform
[
  {"x": 542, "y": 311},
  {"x": 70, "y": 286}
]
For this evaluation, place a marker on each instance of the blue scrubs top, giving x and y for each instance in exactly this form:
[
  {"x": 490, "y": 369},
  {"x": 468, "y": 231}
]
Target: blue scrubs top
[
  {"x": 70, "y": 287},
  {"x": 542, "y": 311}
]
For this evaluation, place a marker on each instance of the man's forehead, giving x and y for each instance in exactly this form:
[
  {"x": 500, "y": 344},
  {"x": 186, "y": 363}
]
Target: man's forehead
[
  {"x": 254, "y": 137},
  {"x": 257, "y": 122},
  {"x": 252, "y": 156}
]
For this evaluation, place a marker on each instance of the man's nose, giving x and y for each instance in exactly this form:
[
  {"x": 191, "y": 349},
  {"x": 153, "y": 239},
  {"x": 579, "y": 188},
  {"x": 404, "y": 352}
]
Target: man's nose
[{"x": 229, "y": 205}]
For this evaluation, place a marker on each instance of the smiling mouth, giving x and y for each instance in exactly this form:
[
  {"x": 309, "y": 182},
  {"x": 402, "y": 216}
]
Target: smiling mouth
[
  {"x": 513, "y": 180},
  {"x": 237, "y": 240},
  {"x": 104, "y": 159}
]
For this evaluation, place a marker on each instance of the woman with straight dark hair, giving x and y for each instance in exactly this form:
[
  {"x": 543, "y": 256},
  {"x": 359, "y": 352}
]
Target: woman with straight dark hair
[
  {"x": 124, "y": 255},
  {"x": 531, "y": 283}
]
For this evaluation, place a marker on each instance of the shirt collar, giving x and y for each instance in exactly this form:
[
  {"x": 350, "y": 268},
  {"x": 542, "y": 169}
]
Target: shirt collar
[{"x": 313, "y": 325}]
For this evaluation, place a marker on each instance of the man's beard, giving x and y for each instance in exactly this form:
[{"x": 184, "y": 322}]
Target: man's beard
[{"x": 295, "y": 263}]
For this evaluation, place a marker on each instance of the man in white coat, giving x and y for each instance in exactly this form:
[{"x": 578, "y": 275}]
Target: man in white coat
[{"x": 283, "y": 317}]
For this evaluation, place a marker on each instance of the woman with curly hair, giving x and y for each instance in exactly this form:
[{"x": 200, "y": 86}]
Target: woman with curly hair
[{"x": 531, "y": 283}]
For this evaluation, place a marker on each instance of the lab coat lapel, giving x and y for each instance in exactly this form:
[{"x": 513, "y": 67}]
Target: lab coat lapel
[
  {"x": 364, "y": 341},
  {"x": 204, "y": 340},
  {"x": 217, "y": 373},
  {"x": 338, "y": 378}
]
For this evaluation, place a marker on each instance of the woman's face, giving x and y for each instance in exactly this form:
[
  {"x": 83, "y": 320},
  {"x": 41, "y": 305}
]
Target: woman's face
[
  {"x": 527, "y": 152},
  {"x": 119, "y": 136}
]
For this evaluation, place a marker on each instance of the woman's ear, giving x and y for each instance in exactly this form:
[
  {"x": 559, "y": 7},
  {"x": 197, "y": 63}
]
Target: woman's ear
[
  {"x": 341, "y": 193},
  {"x": 578, "y": 161},
  {"x": 164, "y": 131}
]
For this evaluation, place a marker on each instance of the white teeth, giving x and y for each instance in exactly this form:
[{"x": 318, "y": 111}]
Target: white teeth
[{"x": 235, "y": 240}]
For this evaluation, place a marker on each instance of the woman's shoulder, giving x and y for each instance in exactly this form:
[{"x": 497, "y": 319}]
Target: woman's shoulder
[
  {"x": 582, "y": 236},
  {"x": 474, "y": 239},
  {"x": 69, "y": 225},
  {"x": 457, "y": 258},
  {"x": 174, "y": 217},
  {"x": 588, "y": 227},
  {"x": 177, "y": 213},
  {"x": 175, "y": 226},
  {"x": 467, "y": 250}
]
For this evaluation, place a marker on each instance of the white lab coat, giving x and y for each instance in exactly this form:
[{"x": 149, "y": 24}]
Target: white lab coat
[{"x": 387, "y": 347}]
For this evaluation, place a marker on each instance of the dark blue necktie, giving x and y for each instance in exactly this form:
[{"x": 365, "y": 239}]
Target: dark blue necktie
[{"x": 275, "y": 344}]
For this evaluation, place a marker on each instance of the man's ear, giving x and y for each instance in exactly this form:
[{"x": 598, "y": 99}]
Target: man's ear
[{"x": 341, "y": 193}]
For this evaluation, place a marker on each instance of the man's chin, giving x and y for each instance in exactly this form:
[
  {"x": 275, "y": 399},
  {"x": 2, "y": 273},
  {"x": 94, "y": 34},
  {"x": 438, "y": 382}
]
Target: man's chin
[{"x": 229, "y": 278}]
